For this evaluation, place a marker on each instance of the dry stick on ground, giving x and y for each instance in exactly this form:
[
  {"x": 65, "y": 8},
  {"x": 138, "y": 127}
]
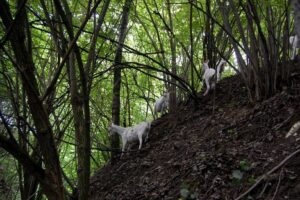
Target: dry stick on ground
[
  {"x": 263, "y": 190},
  {"x": 265, "y": 176},
  {"x": 278, "y": 184}
]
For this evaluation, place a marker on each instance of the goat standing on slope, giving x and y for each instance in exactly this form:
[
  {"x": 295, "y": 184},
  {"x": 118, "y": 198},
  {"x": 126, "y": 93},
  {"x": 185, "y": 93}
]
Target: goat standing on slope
[
  {"x": 132, "y": 134},
  {"x": 208, "y": 76},
  {"x": 161, "y": 105},
  {"x": 294, "y": 45}
]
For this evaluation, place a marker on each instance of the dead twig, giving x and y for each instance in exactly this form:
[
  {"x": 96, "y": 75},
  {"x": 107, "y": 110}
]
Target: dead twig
[
  {"x": 278, "y": 184},
  {"x": 263, "y": 191},
  {"x": 278, "y": 126},
  {"x": 265, "y": 176}
]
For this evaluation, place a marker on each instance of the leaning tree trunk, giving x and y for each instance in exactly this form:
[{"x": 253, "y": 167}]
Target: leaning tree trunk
[
  {"x": 117, "y": 77},
  {"x": 52, "y": 182},
  {"x": 192, "y": 46},
  {"x": 81, "y": 131},
  {"x": 27, "y": 182},
  {"x": 242, "y": 65},
  {"x": 80, "y": 95},
  {"x": 172, "y": 103}
]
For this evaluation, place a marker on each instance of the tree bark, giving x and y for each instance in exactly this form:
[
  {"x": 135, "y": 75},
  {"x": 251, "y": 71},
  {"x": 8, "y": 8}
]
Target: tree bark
[
  {"x": 241, "y": 62},
  {"x": 173, "y": 102},
  {"x": 25, "y": 65},
  {"x": 80, "y": 92},
  {"x": 192, "y": 46},
  {"x": 117, "y": 77}
]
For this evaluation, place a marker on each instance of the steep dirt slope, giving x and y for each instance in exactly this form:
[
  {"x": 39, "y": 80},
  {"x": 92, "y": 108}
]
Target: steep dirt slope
[{"x": 214, "y": 151}]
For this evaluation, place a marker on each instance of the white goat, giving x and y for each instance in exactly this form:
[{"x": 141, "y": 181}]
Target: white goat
[
  {"x": 296, "y": 7},
  {"x": 294, "y": 129},
  {"x": 220, "y": 69},
  {"x": 208, "y": 76},
  {"x": 161, "y": 104},
  {"x": 294, "y": 45},
  {"x": 132, "y": 134}
]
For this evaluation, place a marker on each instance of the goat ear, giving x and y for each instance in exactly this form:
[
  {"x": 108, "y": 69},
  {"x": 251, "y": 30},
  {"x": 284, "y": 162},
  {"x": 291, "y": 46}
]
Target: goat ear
[{"x": 111, "y": 124}]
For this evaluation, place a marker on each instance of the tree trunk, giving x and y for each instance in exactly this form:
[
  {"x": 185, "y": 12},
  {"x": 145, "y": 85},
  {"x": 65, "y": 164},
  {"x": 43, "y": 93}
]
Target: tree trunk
[
  {"x": 173, "y": 102},
  {"x": 77, "y": 107},
  {"x": 241, "y": 62},
  {"x": 192, "y": 46},
  {"x": 80, "y": 96},
  {"x": 117, "y": 77},
  {"x": 27, "y": 182},
  {"x": 53, "y": 176},
  {"x": 209, "y": 33}
]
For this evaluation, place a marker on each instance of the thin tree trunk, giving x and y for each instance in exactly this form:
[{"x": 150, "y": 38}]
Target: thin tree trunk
[
  {"x": 77, "y": 107},
  {"x": 285, "y": 71},
  {"x": 208, "y": 34},
  {"x": 117, "y": 77},
  {"x": 173, "y": 102},
  {"x": 159, "y": 38},
  {"x": 254, "y": 69},
  {"x": 241, "y": 62},
  {"x": 80, "y": 100},
  {"x": 92, "y": 54},
  {"x": 192, "y": 45},
  {"x": 267, "y": 67}
]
